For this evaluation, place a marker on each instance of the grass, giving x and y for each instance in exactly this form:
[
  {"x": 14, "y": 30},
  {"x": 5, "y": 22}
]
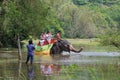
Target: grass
[{"x": 84, "y": 41}]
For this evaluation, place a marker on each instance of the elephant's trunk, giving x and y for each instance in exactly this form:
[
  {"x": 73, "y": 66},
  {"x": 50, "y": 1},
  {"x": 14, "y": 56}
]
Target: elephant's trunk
[{"x": 77, "y": 51}]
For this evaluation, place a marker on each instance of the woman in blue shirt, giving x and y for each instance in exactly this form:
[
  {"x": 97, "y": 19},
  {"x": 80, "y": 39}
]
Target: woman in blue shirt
[{"x": 30, "y": 53}]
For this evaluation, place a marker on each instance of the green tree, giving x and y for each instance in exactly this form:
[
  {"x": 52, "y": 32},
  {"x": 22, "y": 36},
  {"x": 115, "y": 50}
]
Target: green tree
[{"x": 24, "y": 18}]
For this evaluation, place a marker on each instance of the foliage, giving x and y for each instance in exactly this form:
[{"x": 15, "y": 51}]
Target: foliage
[
  {"x": 23, "y": 18},
  {"x": 75, "y": 18},
  {"x": 111, "y": 39}
]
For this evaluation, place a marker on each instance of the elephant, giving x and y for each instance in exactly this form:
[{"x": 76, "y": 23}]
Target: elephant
[{"x": 63, "y": 45}]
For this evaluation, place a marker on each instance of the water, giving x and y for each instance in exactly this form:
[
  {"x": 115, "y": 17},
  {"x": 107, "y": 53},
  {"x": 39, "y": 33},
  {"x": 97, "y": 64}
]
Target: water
[{"x": 73, "y": 66}]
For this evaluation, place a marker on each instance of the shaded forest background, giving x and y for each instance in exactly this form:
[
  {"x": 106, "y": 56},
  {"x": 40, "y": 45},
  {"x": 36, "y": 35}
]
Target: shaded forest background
[{"x": 75, "y": 18}]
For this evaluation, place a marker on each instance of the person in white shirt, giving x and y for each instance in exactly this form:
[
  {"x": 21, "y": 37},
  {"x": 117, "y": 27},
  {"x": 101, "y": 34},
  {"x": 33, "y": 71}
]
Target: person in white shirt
[
  {"x": 42, "y": 38},
  {"x": 48, "y": 37}
]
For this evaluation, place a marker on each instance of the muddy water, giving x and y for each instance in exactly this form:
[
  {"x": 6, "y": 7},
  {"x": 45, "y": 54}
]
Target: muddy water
[{"x": 81, "y": 66}]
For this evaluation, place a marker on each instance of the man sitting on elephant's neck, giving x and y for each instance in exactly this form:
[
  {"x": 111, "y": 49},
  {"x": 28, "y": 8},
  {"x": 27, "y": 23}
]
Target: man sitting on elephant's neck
[{"x": 58, "y": 35}]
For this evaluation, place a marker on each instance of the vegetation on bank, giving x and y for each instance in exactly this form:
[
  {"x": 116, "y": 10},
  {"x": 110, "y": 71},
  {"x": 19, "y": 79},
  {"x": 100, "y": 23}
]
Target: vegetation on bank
[{"x": 75, "y": 18}]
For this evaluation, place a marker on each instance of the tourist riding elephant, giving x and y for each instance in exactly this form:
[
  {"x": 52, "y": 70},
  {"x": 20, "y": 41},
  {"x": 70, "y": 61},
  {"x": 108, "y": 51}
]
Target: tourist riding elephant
[{"x": 63, "y": 45}]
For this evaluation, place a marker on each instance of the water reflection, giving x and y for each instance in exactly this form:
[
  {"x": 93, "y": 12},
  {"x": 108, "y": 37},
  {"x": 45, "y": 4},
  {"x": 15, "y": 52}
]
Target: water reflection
[
  {"x": 50, "y": 69},
  {"x": 19, "y": 69},
  {"x": 30, "y": 72}
]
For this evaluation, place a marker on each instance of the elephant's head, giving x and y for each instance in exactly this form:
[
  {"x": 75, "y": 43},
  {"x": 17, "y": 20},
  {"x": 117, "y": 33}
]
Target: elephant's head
[{"x": 58, "y": 47}]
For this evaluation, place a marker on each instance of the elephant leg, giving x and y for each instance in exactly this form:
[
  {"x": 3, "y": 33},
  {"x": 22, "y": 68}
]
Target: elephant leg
[{"x": 74, "y": 50}]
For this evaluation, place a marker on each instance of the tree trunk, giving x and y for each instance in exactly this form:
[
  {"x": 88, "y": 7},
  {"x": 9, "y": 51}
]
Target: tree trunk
[{"x": 19, "y": 49}]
